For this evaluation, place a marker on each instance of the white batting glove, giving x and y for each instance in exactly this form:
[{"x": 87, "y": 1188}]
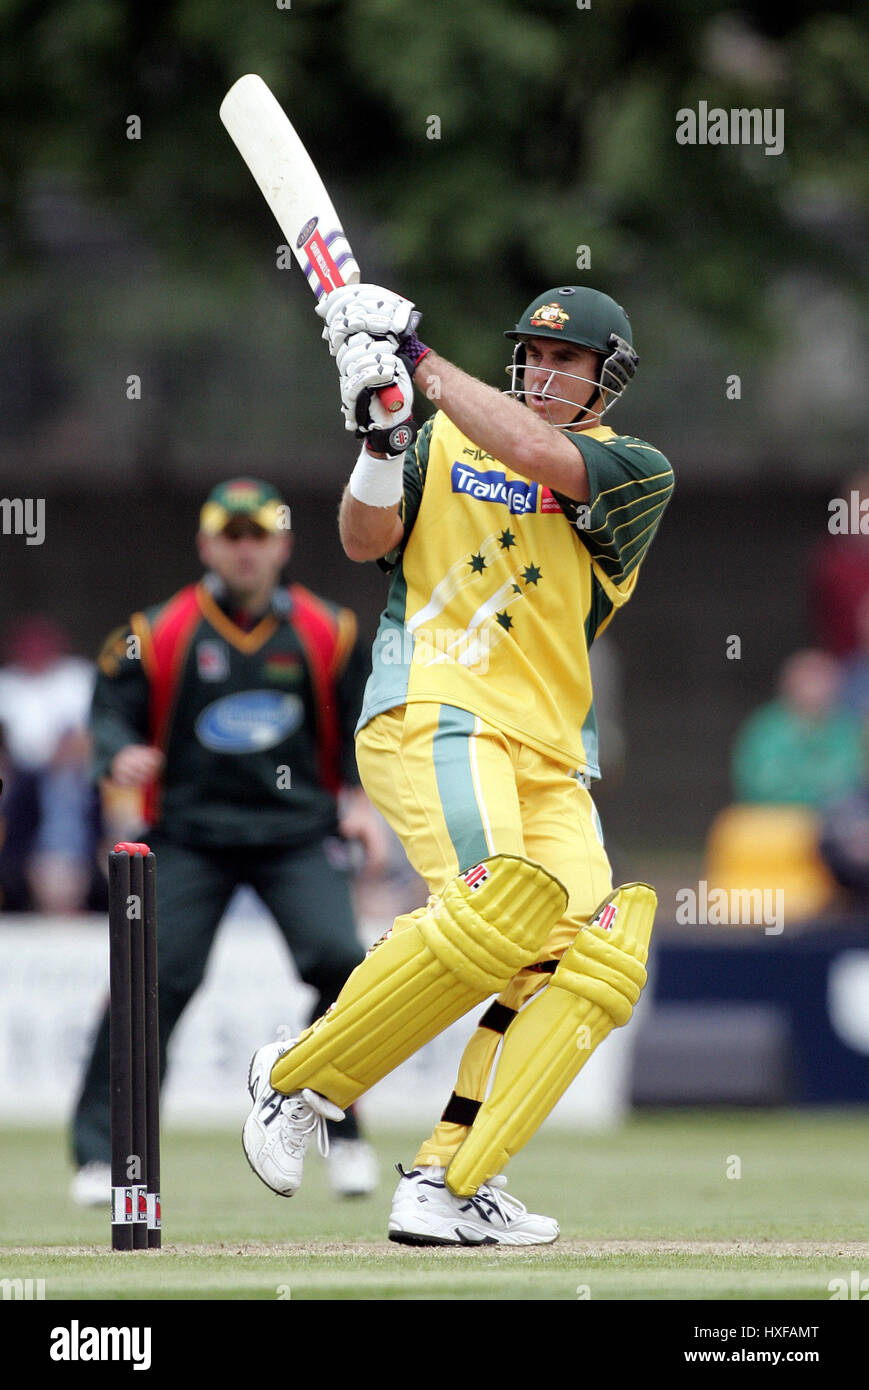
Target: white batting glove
[
  {"x": 364, "y": 309},
  {"x": 359, "y": 346},
  {"x": 365, "y": 365}
]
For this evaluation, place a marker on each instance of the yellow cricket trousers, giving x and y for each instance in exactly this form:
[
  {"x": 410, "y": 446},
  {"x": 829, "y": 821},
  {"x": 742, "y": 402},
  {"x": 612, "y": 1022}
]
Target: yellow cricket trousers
[{"x": 457, "y": 790}]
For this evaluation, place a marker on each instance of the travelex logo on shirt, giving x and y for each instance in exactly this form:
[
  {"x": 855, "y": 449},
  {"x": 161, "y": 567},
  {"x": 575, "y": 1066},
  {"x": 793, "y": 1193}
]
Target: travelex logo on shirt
[
  {"x": 250, "y": 721},
  {"x": 492, "y": 486}
]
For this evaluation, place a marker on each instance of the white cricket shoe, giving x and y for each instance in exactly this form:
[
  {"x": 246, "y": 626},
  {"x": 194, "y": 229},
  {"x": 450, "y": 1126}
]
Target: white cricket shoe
[
  {"x": 425, "y": 1212},
  {"x": 279, "y": 1128},
  {"x": 92, "y": 1185},
  {"x": 353, "y": 1168}
]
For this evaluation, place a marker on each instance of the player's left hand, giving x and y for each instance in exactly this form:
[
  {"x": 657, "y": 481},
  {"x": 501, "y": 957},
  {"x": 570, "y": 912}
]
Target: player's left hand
[
  {"x": 359, "y": 821},
  {"x": 366, "y": 309},
  {"x": 366, "y": 364}
]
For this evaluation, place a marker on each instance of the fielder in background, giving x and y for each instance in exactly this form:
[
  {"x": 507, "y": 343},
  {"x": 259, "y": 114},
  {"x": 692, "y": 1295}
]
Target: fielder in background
[
  {"x": 513, "y": 528},
  {"x": 233, "y": 706}
]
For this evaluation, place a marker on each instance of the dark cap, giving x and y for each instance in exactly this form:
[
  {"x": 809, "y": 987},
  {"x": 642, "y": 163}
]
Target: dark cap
[{"x": 250, "y": 498}]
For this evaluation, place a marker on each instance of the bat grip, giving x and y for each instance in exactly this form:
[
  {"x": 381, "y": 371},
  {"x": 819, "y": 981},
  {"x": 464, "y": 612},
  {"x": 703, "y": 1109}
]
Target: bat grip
[{"x": 391, "y": 398}]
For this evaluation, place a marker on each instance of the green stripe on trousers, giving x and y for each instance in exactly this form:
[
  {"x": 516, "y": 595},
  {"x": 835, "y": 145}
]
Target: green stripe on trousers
[{"x": 452, "y": 762}]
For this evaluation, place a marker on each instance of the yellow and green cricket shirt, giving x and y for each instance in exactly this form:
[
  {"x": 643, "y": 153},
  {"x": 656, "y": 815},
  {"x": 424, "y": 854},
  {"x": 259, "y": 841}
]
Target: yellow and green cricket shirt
[{"x": 499, "y": 586}]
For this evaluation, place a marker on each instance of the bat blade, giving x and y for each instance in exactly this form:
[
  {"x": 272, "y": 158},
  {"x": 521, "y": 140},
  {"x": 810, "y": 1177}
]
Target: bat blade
[{"x": 288, "y": 180}]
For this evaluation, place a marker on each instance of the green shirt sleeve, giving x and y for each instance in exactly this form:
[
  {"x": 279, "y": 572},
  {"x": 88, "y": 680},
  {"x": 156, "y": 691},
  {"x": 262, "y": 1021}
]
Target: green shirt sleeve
[
  {"x": 350, "y": 689},
  {"x": 413, "y": 481},
  {"x": 120, "y": 705},
  {"x": 630, "y": 484}
]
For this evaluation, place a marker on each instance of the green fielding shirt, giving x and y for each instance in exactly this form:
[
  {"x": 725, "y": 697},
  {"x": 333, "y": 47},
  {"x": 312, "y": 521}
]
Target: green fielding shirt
[{"x": 242, "y": 737}]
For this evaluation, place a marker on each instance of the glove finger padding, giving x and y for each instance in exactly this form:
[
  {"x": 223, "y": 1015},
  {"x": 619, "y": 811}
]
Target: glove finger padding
[
  {"x": 367, "y": 371},
  {"x": 359, "y": 346},
  {"x": 360, "y": 403},
  {"x": 365, "y": 309},
  {"x": 331, "y": 304}
]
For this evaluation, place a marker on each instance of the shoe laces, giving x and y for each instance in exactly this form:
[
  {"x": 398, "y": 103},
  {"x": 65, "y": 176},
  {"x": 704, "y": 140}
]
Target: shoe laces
[
  {"x": 508, "y": 1207},
  {"x": 299, "y": 1121}
]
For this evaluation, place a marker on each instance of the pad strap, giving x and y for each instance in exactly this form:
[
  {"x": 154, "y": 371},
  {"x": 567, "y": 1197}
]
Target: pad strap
[
  {"x": 460, "y": 1110},
  {"x": 594, "y": 989},
  {"x": 498, "y": 1017},
  {"x": 436, "y": 964}
]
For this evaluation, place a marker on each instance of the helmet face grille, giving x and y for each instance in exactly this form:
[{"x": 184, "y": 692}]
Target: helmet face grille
[
  {"x": 613, "y": 373},
  {"x": 591, "y": 413}
]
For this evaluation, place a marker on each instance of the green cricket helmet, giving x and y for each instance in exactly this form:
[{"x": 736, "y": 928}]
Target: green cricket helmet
[{"x": 590, "y": 319}]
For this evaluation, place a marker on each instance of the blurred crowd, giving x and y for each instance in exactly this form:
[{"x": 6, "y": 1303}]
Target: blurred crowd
[
  {"x": 50, "y": 807},
  {"x": 803, "y": 755}
]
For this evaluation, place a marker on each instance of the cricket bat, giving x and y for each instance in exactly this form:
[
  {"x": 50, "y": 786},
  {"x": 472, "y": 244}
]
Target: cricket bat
[{"x": 288, "y": 180}]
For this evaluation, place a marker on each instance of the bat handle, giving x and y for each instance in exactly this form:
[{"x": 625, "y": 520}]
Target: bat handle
[{"x": 391, "y": 398}]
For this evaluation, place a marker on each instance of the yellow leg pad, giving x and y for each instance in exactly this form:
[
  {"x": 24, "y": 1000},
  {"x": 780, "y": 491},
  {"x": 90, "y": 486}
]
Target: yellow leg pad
[
  {"x": 594, "y": 989},
  {"x": 489, "y": 923}
]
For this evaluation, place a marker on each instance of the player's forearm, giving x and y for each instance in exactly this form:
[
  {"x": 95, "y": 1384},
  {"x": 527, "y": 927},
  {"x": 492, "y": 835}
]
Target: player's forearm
[
  {"x": 366, "y": 532},
  {"x": 119, "y": 714},
  {"x": 504, "y": 428}
]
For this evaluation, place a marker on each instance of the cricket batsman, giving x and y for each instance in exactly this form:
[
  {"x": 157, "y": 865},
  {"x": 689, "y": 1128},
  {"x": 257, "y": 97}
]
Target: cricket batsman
[{"x": 513, "y": 527}]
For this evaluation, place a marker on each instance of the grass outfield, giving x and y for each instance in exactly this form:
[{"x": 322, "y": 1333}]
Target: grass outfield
[{"x": 647, "y": 1213}]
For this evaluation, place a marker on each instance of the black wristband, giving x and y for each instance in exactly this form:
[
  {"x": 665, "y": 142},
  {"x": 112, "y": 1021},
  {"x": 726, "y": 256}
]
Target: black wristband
[{"x": 390, "y": 441}]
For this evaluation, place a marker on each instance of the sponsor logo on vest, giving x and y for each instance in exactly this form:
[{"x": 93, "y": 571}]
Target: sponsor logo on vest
[
  {"x": 492, "y": 486},
  {"x": 283, "y": 666},
  {"x": 212, "y": 660},
  {"x": 250, "y": 721}
]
